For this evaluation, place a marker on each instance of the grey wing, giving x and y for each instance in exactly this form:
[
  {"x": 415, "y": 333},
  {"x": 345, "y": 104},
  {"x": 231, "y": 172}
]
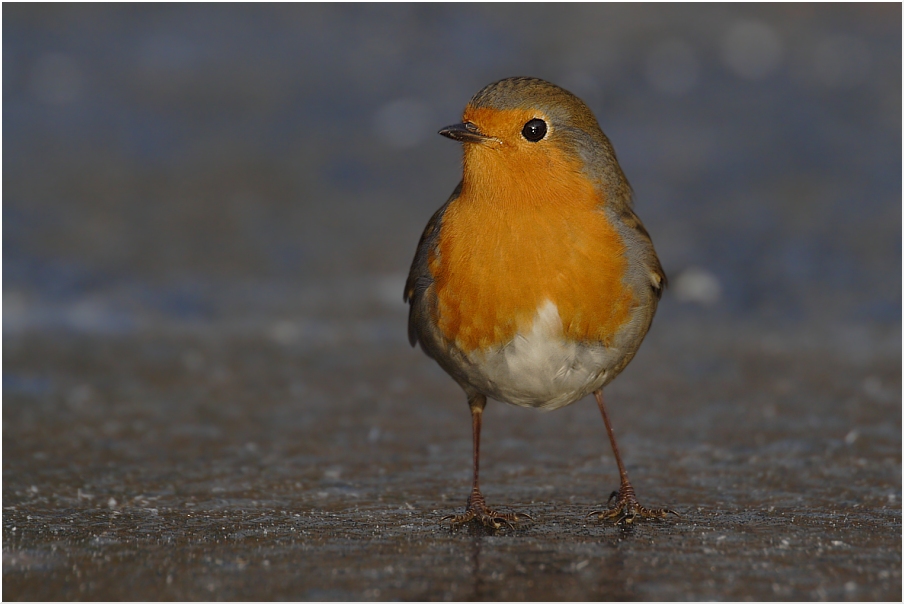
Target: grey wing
[
  {"x": 419, "y": 278},
  {"x": 638, "y": 235}
]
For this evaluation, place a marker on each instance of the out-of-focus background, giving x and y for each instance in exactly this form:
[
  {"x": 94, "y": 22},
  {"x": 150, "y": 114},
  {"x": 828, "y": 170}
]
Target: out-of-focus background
[
  {"x": 208, "y": 216},
  {"x": 191, "y": 163}
]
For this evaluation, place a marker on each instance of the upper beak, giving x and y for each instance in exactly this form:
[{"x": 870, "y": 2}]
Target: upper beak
[{"x": 466, "y": 132}]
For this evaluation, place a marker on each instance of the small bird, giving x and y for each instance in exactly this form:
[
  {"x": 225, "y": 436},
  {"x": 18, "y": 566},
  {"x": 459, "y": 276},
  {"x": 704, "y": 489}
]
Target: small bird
[{"x": 536, "y": 282}]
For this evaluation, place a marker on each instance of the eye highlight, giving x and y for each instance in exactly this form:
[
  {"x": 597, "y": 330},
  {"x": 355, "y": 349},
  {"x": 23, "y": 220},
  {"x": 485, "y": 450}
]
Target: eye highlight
[{"x": 534, "y": 130}]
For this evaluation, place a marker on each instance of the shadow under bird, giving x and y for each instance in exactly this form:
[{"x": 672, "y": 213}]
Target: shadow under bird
[{"x": 535, "y": 283}]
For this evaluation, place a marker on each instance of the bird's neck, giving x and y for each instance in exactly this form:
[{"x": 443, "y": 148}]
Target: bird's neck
[{"x": 499, "y": 182}]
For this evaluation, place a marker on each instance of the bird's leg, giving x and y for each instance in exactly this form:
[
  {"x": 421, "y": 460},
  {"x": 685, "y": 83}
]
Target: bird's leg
[
  {"x": 477, "y": 508},
  {"x": 626, "y": 508}
]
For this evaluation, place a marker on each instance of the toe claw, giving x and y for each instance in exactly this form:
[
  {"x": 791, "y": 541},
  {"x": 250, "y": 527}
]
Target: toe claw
[
  {"x": 626, "y": 509},
  {"x": 477, "y": 510}
]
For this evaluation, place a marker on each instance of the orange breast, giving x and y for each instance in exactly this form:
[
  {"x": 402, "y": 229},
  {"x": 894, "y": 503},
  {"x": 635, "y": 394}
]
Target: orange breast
[{"x": 517, "y": 236}]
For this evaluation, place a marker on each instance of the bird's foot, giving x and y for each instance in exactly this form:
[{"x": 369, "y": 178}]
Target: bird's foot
[
  {"x": 626, "y": 509},
  {"x": 477, "y": 510}
]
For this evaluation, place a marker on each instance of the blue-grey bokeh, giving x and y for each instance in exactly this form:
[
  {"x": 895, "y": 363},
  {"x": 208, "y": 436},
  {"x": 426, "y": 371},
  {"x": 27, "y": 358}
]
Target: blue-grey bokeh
[{"x": 195, "y": 163}]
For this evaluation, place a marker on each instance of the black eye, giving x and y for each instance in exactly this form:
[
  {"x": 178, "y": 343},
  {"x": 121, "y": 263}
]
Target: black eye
[{"x": 534, "y": 130}]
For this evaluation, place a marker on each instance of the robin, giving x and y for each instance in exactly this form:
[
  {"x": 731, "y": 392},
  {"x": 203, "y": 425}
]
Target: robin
[{"x": 536, "y": 282}]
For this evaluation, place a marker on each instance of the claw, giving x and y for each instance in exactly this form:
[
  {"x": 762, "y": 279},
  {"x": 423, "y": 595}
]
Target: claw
[
  {"x": 626, "y": 509},
  {"x": 478, "y": 510}
]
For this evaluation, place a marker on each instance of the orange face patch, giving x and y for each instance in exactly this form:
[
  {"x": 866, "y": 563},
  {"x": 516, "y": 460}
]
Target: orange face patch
[{"x": 528, "y": 227}]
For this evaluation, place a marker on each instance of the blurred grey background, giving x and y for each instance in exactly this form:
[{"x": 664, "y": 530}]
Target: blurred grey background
[
  {"x": 169, "y": 164},
  {"x": 209, "y": 212}
]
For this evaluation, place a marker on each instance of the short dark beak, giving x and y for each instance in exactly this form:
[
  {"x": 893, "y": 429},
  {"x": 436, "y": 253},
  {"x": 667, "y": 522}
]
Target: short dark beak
[{"x": 464, "y": 133}]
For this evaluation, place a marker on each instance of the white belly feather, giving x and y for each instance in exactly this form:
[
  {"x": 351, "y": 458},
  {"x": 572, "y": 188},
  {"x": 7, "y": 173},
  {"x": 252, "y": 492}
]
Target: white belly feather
[{"x": 540, "y": 368}]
